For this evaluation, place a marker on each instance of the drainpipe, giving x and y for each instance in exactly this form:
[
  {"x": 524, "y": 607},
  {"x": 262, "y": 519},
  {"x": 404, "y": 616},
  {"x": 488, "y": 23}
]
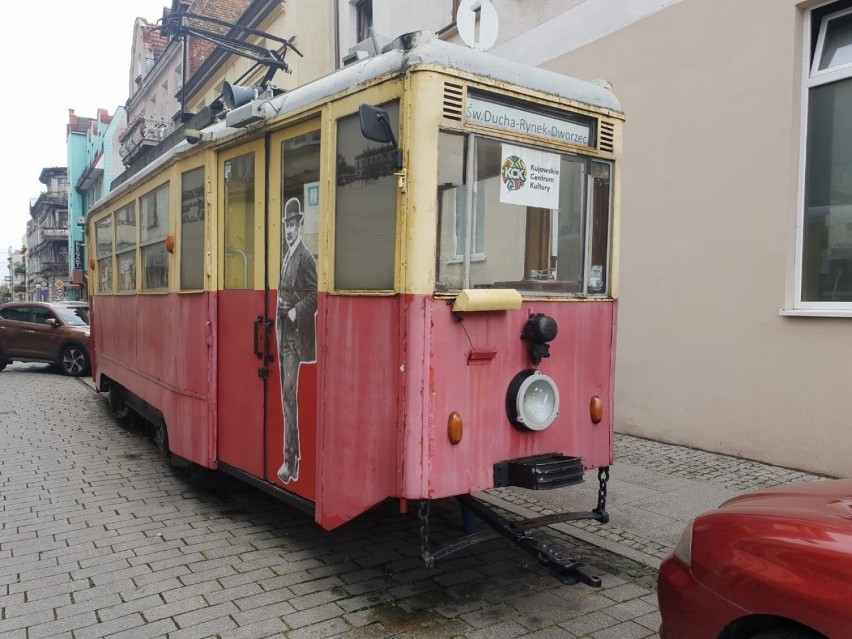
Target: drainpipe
[{"x": 336, "y": 33}]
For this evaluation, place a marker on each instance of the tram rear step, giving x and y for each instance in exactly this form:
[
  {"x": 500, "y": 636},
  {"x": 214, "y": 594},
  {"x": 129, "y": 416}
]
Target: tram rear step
[{"x": 542, "y": 472}]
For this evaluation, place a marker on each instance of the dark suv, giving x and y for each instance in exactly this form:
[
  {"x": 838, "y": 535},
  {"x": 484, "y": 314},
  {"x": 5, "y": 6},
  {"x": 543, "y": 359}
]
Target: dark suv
[{"x": 51, "y": 332}]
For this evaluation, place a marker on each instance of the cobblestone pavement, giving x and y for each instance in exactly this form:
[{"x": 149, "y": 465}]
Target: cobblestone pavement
[
  {"x": 101, "y": 537},
  {"x": 654, "y": 490}
]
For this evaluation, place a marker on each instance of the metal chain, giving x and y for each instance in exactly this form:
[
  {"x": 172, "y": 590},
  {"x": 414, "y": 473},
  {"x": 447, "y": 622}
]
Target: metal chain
[
  {"x": 603, "y": 478},
  {"x": 423, "y": 510}
]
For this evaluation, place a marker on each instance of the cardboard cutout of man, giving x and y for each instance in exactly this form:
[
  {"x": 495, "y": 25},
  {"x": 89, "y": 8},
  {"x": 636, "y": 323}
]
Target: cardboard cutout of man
[{"x": 295, "y": 327}]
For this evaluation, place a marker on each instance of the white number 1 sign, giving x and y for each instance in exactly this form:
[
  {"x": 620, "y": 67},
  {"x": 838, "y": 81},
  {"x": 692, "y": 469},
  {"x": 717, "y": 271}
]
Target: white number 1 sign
[{"x": 481, "y": 14}]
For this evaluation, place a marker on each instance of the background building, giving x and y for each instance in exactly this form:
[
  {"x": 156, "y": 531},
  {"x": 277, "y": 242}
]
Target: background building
[
  {"x": 92, "y": 161},
  {"x": 18, "y": 271},
  {"x": 47, "y": 238},
  {"x": 736, "y": 263}
]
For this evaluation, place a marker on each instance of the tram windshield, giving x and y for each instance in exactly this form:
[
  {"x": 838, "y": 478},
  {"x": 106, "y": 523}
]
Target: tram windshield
[{"x": 532, "y": 219}]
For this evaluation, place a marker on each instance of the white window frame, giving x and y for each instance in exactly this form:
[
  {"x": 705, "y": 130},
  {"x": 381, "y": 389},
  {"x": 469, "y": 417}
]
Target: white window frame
[
  {"x": 813, "y": 77},
  {"x": 832, "y": 74},
  {"x": 358, "y": 7}
]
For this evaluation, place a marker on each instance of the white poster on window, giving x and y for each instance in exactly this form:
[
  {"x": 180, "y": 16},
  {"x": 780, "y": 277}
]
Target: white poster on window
[
  {"x": 529, "y": 177},
  {"x": 311, "y": 208}
]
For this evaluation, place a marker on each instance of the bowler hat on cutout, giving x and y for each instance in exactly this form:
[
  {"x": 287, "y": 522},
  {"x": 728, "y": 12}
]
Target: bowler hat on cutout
[{"x": 293, "y": 210}]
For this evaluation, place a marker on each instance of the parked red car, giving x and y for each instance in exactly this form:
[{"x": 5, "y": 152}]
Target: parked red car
[{"x": 774, "y": 564}]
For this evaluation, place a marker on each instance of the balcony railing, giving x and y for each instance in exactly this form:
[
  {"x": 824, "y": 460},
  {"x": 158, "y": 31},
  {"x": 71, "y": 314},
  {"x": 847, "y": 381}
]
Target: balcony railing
[
  {"x": 48, "y": 200},
  {"x": 53, "y": 268},
  {"x": 143, "y": 133},
  {"x": 54, "y": 234}
]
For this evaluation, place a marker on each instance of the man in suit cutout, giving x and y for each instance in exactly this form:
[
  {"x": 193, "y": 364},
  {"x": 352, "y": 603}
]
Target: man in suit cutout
[{"x": 295, "y": 327}]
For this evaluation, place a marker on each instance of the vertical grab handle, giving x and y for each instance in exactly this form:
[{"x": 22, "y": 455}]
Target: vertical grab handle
[
  {"x": 268, "y": 340},
  {"x": 257, "y": 322}
]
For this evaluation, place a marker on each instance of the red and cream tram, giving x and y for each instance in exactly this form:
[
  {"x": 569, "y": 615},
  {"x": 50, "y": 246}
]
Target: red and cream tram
[{"x": 397, "y": 281}]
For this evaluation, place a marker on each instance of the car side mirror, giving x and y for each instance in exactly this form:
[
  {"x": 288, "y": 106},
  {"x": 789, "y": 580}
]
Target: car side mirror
[{"x": 52, "y": 322}]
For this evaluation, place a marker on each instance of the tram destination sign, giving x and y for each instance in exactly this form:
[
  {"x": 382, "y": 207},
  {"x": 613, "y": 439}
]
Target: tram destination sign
[{"x": 509, "y": 118}]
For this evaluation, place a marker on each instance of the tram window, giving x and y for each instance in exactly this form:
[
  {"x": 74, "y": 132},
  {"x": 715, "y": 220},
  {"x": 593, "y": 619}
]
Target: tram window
[
  {"x": 239, "y": 222},
  {"x": 127, "y": 271},
  {"x": 533, "y": 239},
  {"x": 300, "y": 179},
  {"x": 452, "y": 216},
  {"x": 103, "y": 252},
  {"x": 125, "y": 228},
  {"x": 192, "y": 230},
  {"x": 600, "y": 208},
  {"x": 154, "y": 214},
  {"x": 125, "y": 247},
  {"x": 365, "y": 222}
]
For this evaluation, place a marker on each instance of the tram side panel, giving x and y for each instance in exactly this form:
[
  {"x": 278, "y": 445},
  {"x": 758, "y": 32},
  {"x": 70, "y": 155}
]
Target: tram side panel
[
  {"x": 156, "y": 347},
  {"x": 358, "y": 404},
  {"x": 580, "y": 363}
]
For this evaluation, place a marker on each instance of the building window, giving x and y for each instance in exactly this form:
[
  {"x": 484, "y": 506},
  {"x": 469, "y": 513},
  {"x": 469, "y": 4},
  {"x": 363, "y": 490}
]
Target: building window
[
  {"x": 363, "y": 20},
  {"x": 825, "y": 241}
]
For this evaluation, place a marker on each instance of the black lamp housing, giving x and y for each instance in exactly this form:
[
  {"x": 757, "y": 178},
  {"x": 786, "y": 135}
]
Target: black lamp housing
[{"x": 538, "y": 331}]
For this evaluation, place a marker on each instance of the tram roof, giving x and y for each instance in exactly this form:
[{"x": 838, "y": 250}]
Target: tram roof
[
  {"x": 407, "y": 52},
  {"x": 423, "y": 49}
]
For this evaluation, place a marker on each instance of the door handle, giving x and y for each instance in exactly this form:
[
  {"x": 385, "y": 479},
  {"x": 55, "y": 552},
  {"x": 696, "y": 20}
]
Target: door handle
[
  {"x": 267, "y": 358},
  {"x": 257, "y": 322}
]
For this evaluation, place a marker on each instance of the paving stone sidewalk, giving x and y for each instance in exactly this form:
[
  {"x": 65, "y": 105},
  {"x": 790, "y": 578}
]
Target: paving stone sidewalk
[
  {"x": 101, "y": 537},
  {"x": 654, "y": 490}
]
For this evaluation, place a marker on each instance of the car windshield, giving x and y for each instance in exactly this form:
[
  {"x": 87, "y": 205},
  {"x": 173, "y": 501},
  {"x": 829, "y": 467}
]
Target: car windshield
[{"x": 74, "y": 315}]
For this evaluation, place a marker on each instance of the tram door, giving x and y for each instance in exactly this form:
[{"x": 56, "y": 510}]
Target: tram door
[
  {"x": 293, "y": 229},
  {"x": 243, "y": 326}
]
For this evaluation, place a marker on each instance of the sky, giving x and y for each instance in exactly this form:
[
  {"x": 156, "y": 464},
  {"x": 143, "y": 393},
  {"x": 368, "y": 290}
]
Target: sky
[{"x": 58, "y": 55}]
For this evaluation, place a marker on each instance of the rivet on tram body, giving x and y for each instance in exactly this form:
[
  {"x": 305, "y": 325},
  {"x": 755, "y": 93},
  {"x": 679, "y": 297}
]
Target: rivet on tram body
[
  {"x": 454, "y": 428},
  {"x": 596, "y": 409}
]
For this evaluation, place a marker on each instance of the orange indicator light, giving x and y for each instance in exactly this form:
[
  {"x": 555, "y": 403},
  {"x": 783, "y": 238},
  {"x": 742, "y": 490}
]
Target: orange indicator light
[
  {"x": 454, "y": 428},
  {"x": 596, "y": 409}
]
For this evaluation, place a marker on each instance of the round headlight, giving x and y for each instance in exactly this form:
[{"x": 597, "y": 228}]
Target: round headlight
[{"x": 532, "y": 401}]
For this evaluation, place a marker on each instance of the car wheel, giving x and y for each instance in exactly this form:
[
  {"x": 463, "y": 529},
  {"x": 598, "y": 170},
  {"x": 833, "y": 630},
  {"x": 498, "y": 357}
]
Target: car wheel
[
  {"x": 2, "y": 361},
  {"x": 74, "y": 360},
  {"x": 785, "y": 633}
]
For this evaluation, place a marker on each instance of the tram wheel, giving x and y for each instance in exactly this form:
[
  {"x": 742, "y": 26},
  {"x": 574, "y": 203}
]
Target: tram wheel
[
  {"x": 161, "y": 438},
  {"x": 119, "y": 407}
]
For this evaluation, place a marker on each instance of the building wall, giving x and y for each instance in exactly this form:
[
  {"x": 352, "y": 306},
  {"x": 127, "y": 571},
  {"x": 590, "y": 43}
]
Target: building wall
[
  {"x": 78, "y": 162},
  {"x": 711, "y": 160},
  {"x": 112, "y": 160},
  {"x": 308, "y": 25},
  {"x": 712, "y": 90}
]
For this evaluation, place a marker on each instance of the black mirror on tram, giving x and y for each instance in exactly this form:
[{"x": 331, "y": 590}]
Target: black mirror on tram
[{"x": 376, "y": 126}]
